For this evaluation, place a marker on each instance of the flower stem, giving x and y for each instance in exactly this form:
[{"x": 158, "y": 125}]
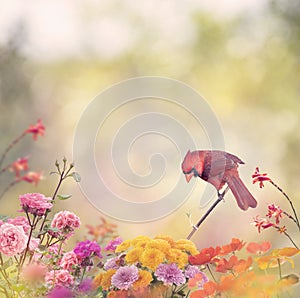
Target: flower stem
[
  {"x": 287, "y": 235},
  {"x": 212, "y": 275},
  {"x": 279, "y": 268},
  {"x": 63, "y": 175},
  {"x": 291, "y": 203},
  {"x": 8, "y": 187},
  {"x": 10, "y": 146}
]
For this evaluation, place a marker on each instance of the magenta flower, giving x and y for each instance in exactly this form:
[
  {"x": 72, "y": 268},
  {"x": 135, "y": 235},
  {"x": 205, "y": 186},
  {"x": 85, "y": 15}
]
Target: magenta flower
[
  {"x": 60, "y": 292},
  {"x": 35, "y": 203},
  {"x": 87, "y": 249},
  {"x": 21, "y": 221},
  {"x": 125, "y": 277},
  {"x": 59, "y": 278},
  {"x": 13, "y": 239},
  {"x": 111, "y": 246},
  {"x": 191, "y": 271},
  {"x": 170, "y": 274},
  {"x": 70, "y": 261},
  {"x": 86, "y": 285},
  {"x": 275, "y": 211},
  {"x": 262, "y": 223},
  {"x": 66, "y": 222}
]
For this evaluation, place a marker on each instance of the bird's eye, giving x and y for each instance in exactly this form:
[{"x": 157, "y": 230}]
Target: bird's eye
[{"x": 188, "y": 172}]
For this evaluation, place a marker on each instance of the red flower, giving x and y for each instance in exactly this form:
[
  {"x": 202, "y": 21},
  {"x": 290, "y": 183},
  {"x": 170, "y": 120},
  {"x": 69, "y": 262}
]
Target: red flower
[
  {"x": 235, "y": 245},
  {"x": 275, "y": 211},
  {"x": 262, "y": 223},
  {"x": 260, "y": 177},
  {"x": 37, "y": 129},
  {"x": 258, "y": 248},
  {"x": 32, "y": 177},
  {"x": 21, "y": 164},
  {"x": 205, "y": 256}
]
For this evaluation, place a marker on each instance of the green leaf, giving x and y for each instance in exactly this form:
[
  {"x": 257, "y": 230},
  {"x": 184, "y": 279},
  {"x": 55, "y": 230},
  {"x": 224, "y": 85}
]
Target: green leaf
[
  {"x": 8, "y": 263},
  {"x": 51, "y": 173},
  {"x": 18, "y": 287},
  {"x": 76, "y": 176},
  {"x": 4, "y": 217},
  {"x": 64, "y": 197}
]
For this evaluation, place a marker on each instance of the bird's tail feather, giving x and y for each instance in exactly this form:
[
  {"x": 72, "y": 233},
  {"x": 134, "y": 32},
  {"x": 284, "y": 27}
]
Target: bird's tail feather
[{"x": 242, "y": 195}]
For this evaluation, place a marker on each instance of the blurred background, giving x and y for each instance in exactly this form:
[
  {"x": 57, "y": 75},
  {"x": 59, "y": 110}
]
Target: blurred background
[{"x": 241, "y": 56}]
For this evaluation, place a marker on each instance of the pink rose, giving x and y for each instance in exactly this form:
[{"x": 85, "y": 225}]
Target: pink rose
[
  {"x": 59, "y": 278},
  {"x": 21, "y": 221},
  {"x": 13, "y": 239},
  {"x": 70, "y": 260},
  {"x": 66, "y": 222},
  {"x": 34, "y": 243},
  {"x": 35, "y": 203}
]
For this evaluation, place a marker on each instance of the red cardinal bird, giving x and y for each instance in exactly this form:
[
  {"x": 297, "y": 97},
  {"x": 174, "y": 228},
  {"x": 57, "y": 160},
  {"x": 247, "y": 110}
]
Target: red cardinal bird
[{"x": 218, "y": 168}]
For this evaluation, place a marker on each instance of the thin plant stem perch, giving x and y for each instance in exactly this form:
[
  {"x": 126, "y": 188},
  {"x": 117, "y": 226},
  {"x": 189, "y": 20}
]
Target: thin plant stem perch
[{"x": 213, "y": 206}]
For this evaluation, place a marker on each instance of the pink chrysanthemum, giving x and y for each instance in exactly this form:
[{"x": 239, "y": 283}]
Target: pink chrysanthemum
[
  {"x": 191, "y": 271},
  {"x": 125, "y": 277},
  {"x": 170, "y": 274}
]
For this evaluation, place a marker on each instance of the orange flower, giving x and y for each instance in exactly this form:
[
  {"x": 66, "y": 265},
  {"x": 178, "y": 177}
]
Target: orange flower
[
  {"x": 104, "y": 279},
  {"x": 258, "y": 248},
  {"x": 223, "y": 265},
  {"x": 209, "y": 289},
  {"x": 242, "y": 265},
  {"x": 118, "y": 294},
  {"x": 145, "y": 278},
  {"x": 205, "y": 256},
  {"x": 32, "y": 177},
  {"x": 102, "y": 229},
  {"x": 37, "y": 129},
  {"x": 278, "y": 255},
  {"x": 235, "y": 245},
  {"x": 21, "y": 164}
]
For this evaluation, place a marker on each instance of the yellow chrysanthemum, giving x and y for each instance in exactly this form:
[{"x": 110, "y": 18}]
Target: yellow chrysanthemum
[
  {"x": 160, "y": 244},
  {"x": 145, "y": 278},
  {"x": 97, "y": 280},
  {"x": 152, "y": 257},
  {"x": 140, "y": 241},
  {"x": 186, "y": 245},
  {"x": 123, "y": 246},
  {"x": 167, "y": 238},
  {"x": 106, "y": 278},
  {"x": 134, "y": 255},
  {"x": 177, "y": 256}
]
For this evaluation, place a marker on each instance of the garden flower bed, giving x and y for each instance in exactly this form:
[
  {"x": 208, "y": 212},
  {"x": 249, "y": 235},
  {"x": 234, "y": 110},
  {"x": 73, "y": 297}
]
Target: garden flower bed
[{"x": 35, "y": 263}]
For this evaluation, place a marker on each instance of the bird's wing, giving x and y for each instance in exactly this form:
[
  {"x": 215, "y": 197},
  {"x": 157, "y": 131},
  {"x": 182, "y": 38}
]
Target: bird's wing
[{"x": 217, "y": 162}]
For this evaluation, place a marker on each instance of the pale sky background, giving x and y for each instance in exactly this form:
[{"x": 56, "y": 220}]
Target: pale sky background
[{"x": 106, "y": 28}]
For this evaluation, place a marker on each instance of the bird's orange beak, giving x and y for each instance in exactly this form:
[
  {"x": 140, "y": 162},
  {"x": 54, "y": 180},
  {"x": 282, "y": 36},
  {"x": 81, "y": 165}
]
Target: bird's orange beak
[{"x": 188, "y": 177}]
